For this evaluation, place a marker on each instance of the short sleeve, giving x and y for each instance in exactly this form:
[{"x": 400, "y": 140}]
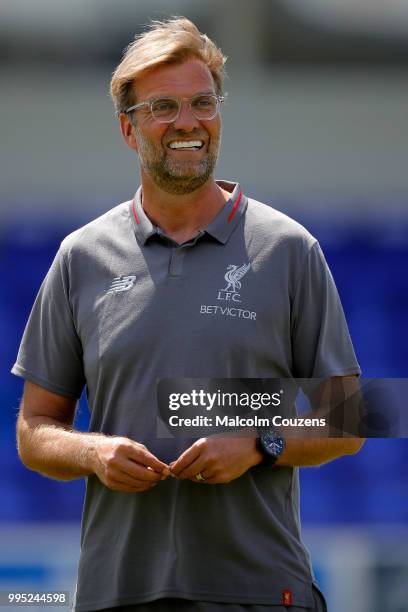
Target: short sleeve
[
  {"x": 50, "y": 353},
  {"x": 321, "y": 343}
]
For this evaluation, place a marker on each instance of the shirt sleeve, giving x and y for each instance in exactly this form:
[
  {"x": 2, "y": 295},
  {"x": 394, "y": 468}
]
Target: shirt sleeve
[
  {"x": 50, "y": 353},
  {"x": 321, "y": 343}
]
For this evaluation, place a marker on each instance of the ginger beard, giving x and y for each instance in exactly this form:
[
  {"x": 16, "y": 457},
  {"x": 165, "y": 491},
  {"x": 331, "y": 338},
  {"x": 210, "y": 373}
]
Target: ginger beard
[{"x": 172, "y": 175}]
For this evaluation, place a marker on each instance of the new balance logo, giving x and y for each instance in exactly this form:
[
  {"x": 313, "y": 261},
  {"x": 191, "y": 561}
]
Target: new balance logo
[{"x": 121, "y": 283}]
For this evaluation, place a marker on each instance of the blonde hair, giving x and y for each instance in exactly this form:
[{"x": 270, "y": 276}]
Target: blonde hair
[{"x": 173, "y": 41}]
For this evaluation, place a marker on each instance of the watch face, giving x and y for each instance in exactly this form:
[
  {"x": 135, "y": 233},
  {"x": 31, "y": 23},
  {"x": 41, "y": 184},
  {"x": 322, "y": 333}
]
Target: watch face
[{"x": 272, "y": 443}]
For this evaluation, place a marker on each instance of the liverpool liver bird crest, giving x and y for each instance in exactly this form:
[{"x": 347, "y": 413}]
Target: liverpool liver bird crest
[{"x": 233, "y": 276}]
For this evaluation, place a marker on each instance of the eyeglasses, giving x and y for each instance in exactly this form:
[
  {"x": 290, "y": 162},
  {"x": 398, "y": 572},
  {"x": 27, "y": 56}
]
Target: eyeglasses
[{"x": 166, "y": 110}]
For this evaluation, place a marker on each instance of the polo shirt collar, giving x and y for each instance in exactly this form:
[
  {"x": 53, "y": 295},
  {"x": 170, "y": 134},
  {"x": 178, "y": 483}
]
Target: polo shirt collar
[
  {"x": 220, "y": 228},
  {"x": 144, "y": 228}
]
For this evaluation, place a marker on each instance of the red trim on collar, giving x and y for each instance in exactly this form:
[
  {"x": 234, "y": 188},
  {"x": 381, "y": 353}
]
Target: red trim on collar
[
  {"x": 134, "y": 211},
  {"x": 233, "y": 211}
]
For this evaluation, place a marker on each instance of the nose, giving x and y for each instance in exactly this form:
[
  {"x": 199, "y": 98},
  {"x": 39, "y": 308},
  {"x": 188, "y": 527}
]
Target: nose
[{"x": 186, "y": 120}]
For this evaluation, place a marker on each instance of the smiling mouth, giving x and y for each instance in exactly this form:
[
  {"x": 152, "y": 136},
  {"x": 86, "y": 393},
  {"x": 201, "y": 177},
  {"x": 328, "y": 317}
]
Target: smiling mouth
[{"x": 186, "y": 145}]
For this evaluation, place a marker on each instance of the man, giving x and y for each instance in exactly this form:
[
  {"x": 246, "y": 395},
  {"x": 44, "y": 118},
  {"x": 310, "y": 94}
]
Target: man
[{"x": 140, "y": 294}]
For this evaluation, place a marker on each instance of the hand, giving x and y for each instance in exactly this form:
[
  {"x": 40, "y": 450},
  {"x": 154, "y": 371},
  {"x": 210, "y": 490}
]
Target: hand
[
  {"x": 124, "y": 465},
  {"x": 219, "y": 459}
]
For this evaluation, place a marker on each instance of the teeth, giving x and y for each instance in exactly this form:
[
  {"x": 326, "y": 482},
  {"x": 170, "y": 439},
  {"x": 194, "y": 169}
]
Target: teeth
[{"x": 186, "y": 144}]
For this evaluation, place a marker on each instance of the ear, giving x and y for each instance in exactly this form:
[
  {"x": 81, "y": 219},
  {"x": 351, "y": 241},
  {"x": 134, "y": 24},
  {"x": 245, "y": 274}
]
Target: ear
[{"x": 128, "y": 131}]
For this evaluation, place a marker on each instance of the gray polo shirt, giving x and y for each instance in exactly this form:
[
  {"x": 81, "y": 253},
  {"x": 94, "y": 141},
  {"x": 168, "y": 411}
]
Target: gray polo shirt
[{"x": 123, "y": 306}]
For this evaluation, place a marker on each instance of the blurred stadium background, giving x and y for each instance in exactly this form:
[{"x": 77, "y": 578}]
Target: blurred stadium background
[{"x": 316, "y": 125}]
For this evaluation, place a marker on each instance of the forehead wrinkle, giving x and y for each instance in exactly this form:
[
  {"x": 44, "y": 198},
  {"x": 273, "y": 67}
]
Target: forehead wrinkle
[
  {"x": 198, "y": 93},
  {"x": 168, "y": 92},
  {"x": 188, "y": 78}
]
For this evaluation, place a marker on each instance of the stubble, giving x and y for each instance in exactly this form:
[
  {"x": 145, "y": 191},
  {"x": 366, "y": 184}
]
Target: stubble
[{"x": 172, "y": 175}]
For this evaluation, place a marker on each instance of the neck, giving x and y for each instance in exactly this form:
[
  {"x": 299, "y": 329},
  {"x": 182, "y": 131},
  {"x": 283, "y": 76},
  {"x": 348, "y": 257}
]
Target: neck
[{"x": 181, "y": 217}]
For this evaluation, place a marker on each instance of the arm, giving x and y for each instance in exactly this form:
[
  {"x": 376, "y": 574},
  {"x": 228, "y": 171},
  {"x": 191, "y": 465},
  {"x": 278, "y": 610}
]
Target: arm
[
  {"x": 48, "y": 444},
  {"x": 317, "y": 451},
  {"x": 222, "y": 458}
]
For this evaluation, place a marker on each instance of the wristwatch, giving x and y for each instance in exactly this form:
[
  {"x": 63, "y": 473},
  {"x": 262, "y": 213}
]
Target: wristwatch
[{"x": 270, "y": 444}]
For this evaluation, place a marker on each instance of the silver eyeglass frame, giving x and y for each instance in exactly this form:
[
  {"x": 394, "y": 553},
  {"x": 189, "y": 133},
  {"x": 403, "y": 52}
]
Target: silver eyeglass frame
[{"x": 149, "y": 103}]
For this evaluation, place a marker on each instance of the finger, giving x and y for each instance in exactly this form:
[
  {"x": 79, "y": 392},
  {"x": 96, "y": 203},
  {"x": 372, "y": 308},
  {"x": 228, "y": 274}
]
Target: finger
[
  {"x": 121, "y": 464},
  {"x": 187, "y": 458},
  {"x": 140, "y": 454},
  {"x": 139, "y": 472},
  {"x": 197, "y": 467},
  {"x": 214, "y": 478},
  {"x": 131, "y": 480},
  {"x": 205, "y": 480}
]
